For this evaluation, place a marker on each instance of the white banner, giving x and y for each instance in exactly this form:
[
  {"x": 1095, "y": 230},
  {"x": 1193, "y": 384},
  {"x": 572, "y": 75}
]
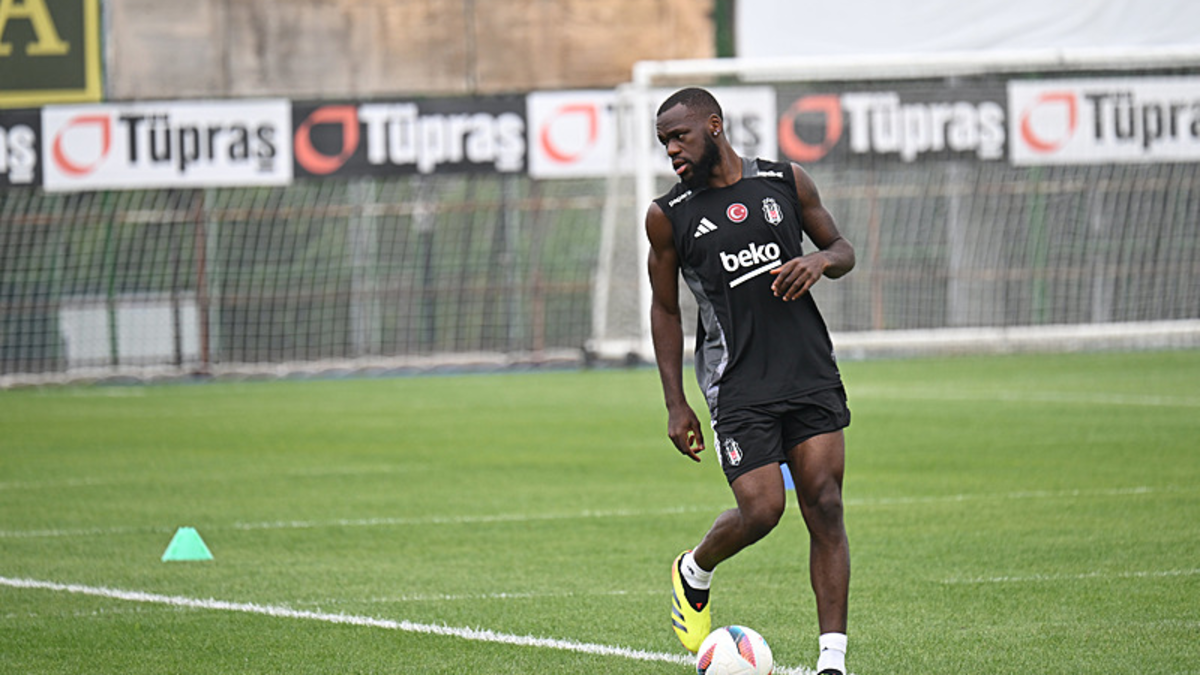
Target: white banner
[
  {"x": 573, "y": 134},
  {"x": 1104, "y": 121},
  {"x": 166, "y": 144},
  {"x": 766, "y": 28}
]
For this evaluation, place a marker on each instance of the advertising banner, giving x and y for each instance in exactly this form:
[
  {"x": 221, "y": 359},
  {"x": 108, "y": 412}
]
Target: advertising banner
[
  {"x": 900, "y": 122},
  {"x": 442, "y": 135},
  {"x": 49, "y": 52},
  {"x": 574, "y": 134},
  {"x": 166, "y": 144},
  {"x": 1104, "y": 121},
  {"x": 20, "y": 131}
]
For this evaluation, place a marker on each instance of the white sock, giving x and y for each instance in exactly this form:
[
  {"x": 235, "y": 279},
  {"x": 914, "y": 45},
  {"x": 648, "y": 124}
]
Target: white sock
[
  {"x": 833, "y": 652},
  {"x": 696, "y": 576}
]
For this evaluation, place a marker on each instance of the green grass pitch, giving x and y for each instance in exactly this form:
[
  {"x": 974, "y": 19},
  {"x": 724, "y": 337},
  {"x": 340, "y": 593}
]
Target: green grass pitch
[{"x": 1009, "y": 514}]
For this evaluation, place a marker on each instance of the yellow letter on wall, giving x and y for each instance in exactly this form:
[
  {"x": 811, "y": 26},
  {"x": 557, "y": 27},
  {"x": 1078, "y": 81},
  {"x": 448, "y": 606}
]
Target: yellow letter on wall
[{"x": 48, "y": 42}]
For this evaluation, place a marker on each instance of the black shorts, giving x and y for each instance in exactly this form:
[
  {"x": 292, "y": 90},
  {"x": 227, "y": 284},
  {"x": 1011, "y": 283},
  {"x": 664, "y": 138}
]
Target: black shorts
[{"x": 753, "y": 436}]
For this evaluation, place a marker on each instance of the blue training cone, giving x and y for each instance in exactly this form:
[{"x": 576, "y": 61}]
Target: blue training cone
[{"x": 187, "y": 545}]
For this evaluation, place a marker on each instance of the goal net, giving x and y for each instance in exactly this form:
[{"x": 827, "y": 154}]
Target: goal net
[{"x": 997, "y": 202}]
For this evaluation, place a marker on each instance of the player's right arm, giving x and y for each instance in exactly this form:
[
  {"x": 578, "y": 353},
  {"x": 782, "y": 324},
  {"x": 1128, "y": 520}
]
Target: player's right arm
[{"x": 666, "y": 330}]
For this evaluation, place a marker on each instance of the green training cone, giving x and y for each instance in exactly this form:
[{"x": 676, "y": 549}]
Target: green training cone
[{"x": 187, "y": 545}]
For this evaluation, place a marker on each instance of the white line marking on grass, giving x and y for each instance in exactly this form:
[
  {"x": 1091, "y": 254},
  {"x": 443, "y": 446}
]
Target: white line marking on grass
[
  {"x": 91, "y": 392},
  {"x": 362, "y": 522},
  {"x": 323, "y": 472},
  {"x": 1007, "y": 496},
  {"x": 55, "y": 484},
  {"x": 617, "y": 513},
  {"x": 443, "y": 597},
  {"x": 1080, "y": 398},
  {"x": 466, "y": 520},
  {"x": 1074, "y": 577},
  {"x": 96, "y": 613},
  {"x": 110, "y": 481},
  {"x": 475, "y": 634},
  {"x": 82, "y": 532}
]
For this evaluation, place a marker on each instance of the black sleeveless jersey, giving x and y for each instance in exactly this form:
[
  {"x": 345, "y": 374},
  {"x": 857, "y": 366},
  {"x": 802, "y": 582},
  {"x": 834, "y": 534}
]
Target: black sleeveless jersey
[{"x": 751, "y": 347}]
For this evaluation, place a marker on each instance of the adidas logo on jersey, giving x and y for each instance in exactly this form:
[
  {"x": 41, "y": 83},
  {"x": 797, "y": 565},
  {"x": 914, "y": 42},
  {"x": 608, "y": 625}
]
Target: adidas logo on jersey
[{"x": 704, "y": 228}]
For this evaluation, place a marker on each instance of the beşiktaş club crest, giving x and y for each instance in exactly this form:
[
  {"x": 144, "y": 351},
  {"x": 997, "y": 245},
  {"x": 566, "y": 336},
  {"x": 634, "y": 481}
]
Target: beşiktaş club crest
[
  {"x": 733, "y": 452},
  {"x": 771, "y": 211}
]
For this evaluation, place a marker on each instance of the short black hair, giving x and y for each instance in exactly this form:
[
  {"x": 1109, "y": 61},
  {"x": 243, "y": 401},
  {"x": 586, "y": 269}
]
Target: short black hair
[{"x": 694, "y": 99}]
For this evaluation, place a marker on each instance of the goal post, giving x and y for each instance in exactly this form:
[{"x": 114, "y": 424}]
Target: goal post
[{"x": 1041, "y": 200}]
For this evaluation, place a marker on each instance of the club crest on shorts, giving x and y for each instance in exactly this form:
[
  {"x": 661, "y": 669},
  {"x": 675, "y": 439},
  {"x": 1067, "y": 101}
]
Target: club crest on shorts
[
  {"x": 771, "y": 211},
  {"x": 733, "y": 452}
]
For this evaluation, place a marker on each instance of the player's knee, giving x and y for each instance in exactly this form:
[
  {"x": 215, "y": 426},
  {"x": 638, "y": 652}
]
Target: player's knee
[
  {"x": 759, "y": 520},
  {"x": 824, "y": 509}
]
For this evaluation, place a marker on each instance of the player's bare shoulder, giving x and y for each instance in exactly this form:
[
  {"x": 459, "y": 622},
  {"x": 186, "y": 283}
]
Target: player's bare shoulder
[
  {"x": 658, "y": 228},
  {"x": 806, "y": 187}
]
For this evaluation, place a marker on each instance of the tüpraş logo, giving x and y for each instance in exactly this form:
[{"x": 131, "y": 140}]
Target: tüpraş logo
[
  {"x": 166, "y": 144},
  {"x": 398, "y": 134},
  {"x": 157, "y": 139},
  {"x": 879, "y": 123},
  {"x": 1099, "y": 121}
]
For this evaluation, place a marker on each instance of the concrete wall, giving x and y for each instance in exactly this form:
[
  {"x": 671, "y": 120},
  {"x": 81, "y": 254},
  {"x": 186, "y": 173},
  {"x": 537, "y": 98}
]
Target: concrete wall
[{"x": 332, "y": 49}]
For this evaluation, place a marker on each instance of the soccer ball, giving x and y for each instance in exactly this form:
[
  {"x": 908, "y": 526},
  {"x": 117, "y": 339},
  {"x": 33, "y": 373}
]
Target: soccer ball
[{"x": 734, "y": 650}]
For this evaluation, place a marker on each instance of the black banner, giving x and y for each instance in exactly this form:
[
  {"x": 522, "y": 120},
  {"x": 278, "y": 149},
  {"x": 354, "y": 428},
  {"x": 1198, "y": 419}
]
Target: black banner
[
  {"x": 900, "y": 121},
  {"x": 426, "y": 136},
  {"x": 20, "y": 148}
]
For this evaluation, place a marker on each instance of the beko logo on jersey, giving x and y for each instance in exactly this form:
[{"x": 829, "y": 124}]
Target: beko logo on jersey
[
  {"x": 770, "y": 174},
  {"x": 760, "y": 258},
  {"x": 754, "y": 254}
]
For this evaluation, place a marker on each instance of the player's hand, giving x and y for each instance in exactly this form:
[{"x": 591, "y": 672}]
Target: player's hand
[
  {"x": 684, "y": 429},
  {"x": 796, "y": 276}
]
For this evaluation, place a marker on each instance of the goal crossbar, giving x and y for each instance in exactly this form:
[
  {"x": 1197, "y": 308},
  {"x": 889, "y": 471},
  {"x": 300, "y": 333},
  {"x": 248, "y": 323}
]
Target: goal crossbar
[{"x": 917, "y": 65}]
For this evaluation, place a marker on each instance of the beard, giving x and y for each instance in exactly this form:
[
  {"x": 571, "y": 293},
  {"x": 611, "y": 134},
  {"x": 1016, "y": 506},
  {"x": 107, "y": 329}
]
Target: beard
[{"x": 702, "y": 169}]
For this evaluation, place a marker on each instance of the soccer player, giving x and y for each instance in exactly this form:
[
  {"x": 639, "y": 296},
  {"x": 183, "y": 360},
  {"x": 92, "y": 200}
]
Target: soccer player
[{"x": 764, "y": 360}]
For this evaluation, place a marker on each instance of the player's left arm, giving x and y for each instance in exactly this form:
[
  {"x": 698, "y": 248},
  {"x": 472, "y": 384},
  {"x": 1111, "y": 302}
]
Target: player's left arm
[{"x": 834, "y": 256}]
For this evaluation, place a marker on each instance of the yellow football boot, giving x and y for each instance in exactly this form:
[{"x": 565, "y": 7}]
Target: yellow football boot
[{"x": 689, "y": 610}]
